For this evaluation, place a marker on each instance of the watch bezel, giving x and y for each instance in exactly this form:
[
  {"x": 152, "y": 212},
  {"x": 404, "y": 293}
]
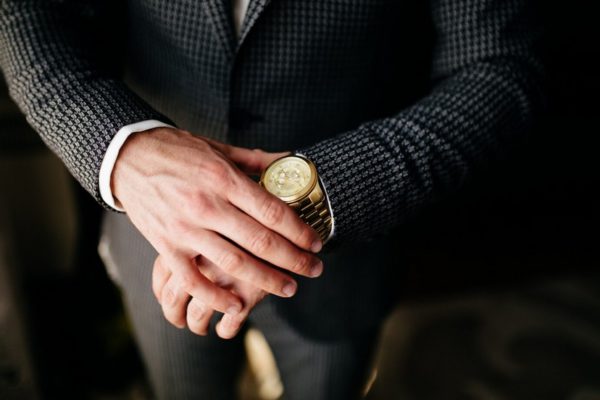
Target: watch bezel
[{"x": 300, "y": 195}]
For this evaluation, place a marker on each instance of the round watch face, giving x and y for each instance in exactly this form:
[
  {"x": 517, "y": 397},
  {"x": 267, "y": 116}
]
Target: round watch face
[{"x": 288, "y": 177}]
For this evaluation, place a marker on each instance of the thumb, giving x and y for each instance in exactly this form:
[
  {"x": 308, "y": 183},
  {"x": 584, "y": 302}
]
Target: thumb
[
  {"x": 251, "y": 161},
  {"x": 254, "y": 161}
]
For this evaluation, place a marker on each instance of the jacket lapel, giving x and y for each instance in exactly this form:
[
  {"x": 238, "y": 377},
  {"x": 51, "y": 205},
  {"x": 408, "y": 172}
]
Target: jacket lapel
[
  {"x": 255, "y": 9},
  {"x": 220, "y": 16}
]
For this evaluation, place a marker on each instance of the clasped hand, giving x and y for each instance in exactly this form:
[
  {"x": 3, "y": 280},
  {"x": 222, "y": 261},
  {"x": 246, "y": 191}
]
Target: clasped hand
[{"x": 223, "y": 241}]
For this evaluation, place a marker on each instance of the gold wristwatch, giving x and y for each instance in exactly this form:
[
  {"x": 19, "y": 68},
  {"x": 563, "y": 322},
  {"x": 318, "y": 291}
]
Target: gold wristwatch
[{"x": 294, "y": 179}]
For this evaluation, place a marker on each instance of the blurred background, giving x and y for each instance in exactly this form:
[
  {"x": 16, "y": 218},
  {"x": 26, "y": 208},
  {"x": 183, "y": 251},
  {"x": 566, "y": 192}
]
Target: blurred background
[{"x": 505, "y": 307}]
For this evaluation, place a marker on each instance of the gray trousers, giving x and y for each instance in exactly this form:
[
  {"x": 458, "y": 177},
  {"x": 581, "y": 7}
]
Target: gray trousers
[{"x": 182, "y": 365}]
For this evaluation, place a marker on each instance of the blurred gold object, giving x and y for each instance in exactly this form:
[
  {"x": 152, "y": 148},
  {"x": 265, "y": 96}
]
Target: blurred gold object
[
  {"x": 294, "y": 179},
  {"x": 263, "y": 368}
]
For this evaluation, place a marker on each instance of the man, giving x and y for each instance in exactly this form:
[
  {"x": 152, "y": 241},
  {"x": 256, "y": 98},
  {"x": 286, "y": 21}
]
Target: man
[{"x": 351, "y": 85}]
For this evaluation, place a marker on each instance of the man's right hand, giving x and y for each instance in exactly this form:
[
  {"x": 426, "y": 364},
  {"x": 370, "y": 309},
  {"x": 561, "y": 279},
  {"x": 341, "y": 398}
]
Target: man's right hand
[{"x": 188, "y": 198}]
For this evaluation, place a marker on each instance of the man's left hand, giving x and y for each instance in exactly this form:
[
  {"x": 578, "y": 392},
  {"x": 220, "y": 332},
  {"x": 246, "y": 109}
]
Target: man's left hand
[{"x": 197, "y": 314}]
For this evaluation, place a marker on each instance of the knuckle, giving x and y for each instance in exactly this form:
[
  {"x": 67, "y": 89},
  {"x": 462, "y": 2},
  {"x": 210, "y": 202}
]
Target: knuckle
[
  {"x": 158, "y": 264},
  {"x": 261, "y": 243},
  {"x": 156, "y": 289},
  {"x": 196, "y": 312},
  {"x": 272, "y": 211},
  {"x": 162, "y": 244},
  {"x": 305, "y": 237},
  {"x": 218, "y": 171},
  {"x": 201, "y": 205},
  {"x": 271, "y": 285},
  {"x": 187, "y": 281},
  {"x": 156, "y": 293},
  {"x": 156, "y": 283},
  {"x": 168, "y": 296},
  {"x": 256, "y": 156},
  {"x": 179, "y": 226},
  {"x": 231, "y": 262},
  {"x": 209, "y": 297},
  {"x": 302, "y": 264}
]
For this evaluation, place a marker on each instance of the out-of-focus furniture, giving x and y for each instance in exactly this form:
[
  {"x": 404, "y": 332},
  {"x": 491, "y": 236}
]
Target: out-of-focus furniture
[
  {"x": 16, "y": 369},
  {"x": 37, "y": 238}
]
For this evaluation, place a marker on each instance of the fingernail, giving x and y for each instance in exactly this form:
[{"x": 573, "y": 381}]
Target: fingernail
[
  {"x": 234, "y": 309},
  {"x": 289, "y": 289},
  {"x": 316, "y": 246},
  {"x": 316, "y": 269}
]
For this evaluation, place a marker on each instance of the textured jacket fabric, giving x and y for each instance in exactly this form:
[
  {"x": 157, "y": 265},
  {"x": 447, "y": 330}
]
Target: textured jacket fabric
[{"x": 396, "y": 101}]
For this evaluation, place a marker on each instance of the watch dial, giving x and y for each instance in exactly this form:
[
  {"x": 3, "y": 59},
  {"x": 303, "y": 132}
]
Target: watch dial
[{"x": 287, "y": 177}]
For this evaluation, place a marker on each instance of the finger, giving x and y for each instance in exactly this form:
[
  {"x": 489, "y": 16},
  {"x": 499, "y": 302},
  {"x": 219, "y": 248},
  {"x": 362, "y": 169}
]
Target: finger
[
  {"x": 198, "y": 286},
  {"x": 230, "y": 325},
  {"x": 273, "y": 213},
  {"x": 240, "y": 265},
  {"x": 174, "y": 302},
  {"x": 251, "y": 161},
  {"x": 266, "y": 244},
  {"x": 198, "y": 317},
  {"x": 160, "y": 275}
]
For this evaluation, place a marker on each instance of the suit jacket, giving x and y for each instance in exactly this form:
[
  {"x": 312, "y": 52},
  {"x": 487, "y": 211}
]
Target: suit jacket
[{"x": 396, "y": 102}]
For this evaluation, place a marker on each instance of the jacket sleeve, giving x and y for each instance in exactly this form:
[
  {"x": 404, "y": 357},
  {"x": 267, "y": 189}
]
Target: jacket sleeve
[
  {"x": 70, "y": 96},
  {"x": 486, "y": 91}
]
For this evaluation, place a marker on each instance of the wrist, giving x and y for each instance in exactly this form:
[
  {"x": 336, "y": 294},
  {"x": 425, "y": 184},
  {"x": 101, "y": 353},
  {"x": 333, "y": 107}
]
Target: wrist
[
  {"x": 112, "y": 153},
  {"x": 136, "y": 151}
]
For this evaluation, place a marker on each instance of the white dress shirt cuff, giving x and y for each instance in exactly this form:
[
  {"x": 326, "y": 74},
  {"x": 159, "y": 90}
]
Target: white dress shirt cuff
[
  {"x": 330, "y": 210},
  {"x": 112, "y": 152}
]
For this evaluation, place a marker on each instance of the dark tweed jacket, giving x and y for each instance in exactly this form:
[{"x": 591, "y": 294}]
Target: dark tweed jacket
[{"x": 396, "y": 101}]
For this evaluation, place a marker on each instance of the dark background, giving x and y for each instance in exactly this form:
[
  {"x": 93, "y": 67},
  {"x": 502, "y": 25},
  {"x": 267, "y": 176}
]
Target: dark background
[
  {"x": 527, "y": 219},
  {"x": 538, "y": 212}
]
